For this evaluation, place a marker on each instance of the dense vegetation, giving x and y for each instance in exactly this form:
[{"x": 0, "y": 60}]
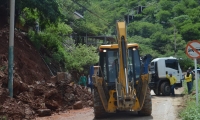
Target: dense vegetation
[{"x": 161, "y": 27}]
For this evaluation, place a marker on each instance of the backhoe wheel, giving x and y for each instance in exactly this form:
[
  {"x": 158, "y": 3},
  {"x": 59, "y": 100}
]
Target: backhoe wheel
[
  {"x": 99, "y": 111},
  {"x": 165, "y": 89},
  {"x": 147, "y": 106}
]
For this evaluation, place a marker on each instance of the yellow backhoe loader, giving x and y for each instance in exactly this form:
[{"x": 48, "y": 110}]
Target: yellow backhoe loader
[{"x": 121, "y": 78}]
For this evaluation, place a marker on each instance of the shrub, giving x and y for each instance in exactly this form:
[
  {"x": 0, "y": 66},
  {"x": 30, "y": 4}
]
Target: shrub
[{"x": 55, "y": 39}]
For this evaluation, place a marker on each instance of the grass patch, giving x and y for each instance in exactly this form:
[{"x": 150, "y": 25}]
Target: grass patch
[{"x": 191, "y": 111}]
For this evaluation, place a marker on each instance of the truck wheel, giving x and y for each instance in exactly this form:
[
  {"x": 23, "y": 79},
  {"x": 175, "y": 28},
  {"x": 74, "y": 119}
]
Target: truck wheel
[
  {"x": 165, "y": 89},
  {"x": 99, "y": 111},
  {"x": 147, "y": 106},
  {"x": 156, "y": 92}
]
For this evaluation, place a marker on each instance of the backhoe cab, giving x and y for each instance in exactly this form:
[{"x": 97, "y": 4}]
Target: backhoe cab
[{"x": 121, "y": 79}]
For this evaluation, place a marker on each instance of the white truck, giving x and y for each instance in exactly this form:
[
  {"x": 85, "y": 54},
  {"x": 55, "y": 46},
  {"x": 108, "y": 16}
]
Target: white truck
[{"x": 158, "y": 67}]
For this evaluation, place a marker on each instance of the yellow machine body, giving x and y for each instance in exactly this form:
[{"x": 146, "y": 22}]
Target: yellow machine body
[{"x": 125, "y": 93}]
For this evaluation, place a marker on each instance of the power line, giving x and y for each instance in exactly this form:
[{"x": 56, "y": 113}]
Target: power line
[{"x": 90, "y": 11}]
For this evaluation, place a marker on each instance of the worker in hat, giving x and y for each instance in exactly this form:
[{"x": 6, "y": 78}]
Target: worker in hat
[
  {"x": 193, "y": 75},
  {"x": 172, "y": 80}
]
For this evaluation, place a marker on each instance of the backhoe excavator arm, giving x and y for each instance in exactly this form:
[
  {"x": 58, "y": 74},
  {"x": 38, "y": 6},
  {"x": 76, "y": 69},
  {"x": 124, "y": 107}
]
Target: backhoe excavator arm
[
  {"x": 122, "y": 43},
  {"x": 128, "y": 96}
]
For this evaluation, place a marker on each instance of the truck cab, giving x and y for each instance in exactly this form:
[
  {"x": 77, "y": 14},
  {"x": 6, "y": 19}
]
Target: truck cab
[{"x": 158, "y": 67}]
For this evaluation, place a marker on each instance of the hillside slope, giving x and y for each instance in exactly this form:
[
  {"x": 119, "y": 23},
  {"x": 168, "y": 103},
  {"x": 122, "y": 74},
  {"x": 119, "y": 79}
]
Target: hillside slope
[
  {"x": 33, "y": 87},
  {"x": 27, "y": 61}
]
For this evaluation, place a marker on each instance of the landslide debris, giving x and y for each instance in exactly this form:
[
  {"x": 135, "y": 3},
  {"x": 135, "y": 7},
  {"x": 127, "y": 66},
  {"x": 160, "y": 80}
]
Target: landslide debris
[{"x": 35, "y": 92}]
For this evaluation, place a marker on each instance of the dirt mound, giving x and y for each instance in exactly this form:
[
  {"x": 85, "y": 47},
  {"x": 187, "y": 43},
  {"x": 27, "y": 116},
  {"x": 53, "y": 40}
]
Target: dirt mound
[
  {"x": 34, "y": 88},
  {"x": 27, "y": 61}
]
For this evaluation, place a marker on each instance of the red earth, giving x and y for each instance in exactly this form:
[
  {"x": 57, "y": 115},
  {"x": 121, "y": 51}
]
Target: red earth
[{"x": 34, "y": 87}]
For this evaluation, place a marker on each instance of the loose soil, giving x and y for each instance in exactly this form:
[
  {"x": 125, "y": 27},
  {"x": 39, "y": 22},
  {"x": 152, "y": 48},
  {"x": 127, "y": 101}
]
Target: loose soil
[{"x": 35, "y": 89}]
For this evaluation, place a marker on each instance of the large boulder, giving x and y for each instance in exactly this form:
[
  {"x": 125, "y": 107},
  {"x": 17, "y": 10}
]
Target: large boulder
[
  {"x": 51, "y": 104},
  {"x": 44, "y": 112},
  {"x": 90, "y": 103},
  {"x": 78, "y": 105}
]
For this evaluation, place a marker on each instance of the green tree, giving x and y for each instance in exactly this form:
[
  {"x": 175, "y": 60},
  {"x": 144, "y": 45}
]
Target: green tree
[
  {"x": 190, "y": 31},
  {"x": 48, "y": 10},
  {"x": 80, "y": 56},
  {"x": 163, "y": 16},
  {"x": 144, "y": 29}
]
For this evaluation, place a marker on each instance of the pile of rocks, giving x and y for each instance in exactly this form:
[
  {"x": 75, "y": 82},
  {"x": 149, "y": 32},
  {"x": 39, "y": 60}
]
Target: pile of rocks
[{"x": 42, "y": 98}]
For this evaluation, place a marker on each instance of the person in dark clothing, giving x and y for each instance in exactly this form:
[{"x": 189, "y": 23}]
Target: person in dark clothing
[
  {"x": 130, "y": 75},
  {"x": 90, "y": 83},
  {"x": 113, "y": 71},
  {"x": 37, "y": 29}
]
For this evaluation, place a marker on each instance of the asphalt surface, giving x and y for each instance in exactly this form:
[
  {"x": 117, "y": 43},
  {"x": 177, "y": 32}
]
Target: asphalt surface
[{"x": 164, "y": 108}]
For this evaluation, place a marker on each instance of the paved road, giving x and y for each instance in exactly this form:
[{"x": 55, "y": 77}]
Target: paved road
[{"x": 164, "y": 108}]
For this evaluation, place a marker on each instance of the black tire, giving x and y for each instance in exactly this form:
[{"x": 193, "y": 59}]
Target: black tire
[
  {"x": 99, "y": 111},
  {"x": 157, "y": 92},
  {"x": 165, "y": 89},
  {"x": 147, "y": 106}
]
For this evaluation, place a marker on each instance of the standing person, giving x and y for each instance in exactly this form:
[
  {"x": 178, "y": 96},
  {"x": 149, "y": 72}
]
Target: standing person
[
  {"x": 193, "y": 75},
  {"x": 82, "y": 80},
  {"x": 188, "y": 78},
  {"x": 90, "y": 83},
  {"x": 37, "y": 27},
  {"x": 172, "y": 80},
  {"x": 113, "y": 71}
]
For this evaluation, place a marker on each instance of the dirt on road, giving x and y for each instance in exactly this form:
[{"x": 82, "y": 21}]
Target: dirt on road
[{"x": 164, "y": 108}]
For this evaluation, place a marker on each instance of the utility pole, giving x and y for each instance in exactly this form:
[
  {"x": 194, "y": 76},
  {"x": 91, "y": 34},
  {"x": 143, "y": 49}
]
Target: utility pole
[
  {"x": 86, "y": 37},
  {"x": 128, "y": 19},
  {"x": 11, "y": 48},
  {"x": 175, "y": 41}
]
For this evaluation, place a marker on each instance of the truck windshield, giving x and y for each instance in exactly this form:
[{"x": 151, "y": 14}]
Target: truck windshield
[{"x": 171, "y": 63}]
